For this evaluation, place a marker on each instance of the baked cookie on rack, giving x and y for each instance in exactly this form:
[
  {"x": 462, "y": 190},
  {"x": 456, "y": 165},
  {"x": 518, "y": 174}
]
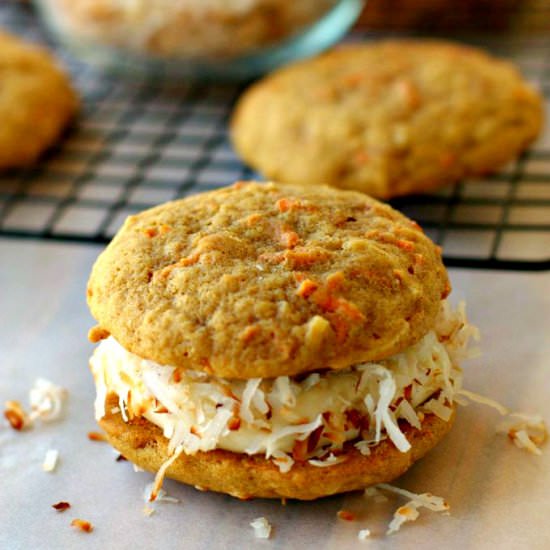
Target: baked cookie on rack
[
  {"x": 388, "y": 118},
  {"x": 36, "y": 101}
]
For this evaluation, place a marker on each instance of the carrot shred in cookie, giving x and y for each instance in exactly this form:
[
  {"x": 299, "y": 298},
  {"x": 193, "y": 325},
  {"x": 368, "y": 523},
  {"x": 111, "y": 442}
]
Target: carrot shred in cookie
[
  {"x": 307, "y": 288},
  {"x": 289, "y": 238},
  {"x": 249, "y": 333},
  {"x": 285, "y": 205},
  {"x": 405, "y": 245}
]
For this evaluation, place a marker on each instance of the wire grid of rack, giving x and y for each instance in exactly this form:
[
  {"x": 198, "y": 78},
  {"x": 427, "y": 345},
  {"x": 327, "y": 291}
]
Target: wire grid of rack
[{"x": 141, "y": 143}]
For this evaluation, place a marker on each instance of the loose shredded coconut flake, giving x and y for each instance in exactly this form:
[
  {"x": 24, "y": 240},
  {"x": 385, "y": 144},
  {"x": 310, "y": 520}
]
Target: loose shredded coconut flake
[
  {"x": 262, "y": 528},
  {"x": 363, "y": 534},
  {"x": 528, "y": 432},
  {"x": 159, "y": 477},
  {"x": 409, "y": 511},
  {"x": 162, "y": 496},
  {"x": 46, "y": 399},
  {"x": 50, "y": 460},
  {"x": 477, "y": 398}
]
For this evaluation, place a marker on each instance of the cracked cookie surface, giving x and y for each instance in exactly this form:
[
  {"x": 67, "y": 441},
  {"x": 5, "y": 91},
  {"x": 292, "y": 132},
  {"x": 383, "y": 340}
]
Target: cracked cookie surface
[
  {"x": 264, "y": 280},
  {"x": 387, "y": 119}
]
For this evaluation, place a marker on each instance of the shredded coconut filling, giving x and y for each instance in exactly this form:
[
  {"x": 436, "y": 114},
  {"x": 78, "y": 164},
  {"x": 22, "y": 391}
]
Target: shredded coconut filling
[{"x": 290, "y": 419}]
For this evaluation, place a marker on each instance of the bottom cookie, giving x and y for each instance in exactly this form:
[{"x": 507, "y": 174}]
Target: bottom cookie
[{"x": 249, "y": 476}]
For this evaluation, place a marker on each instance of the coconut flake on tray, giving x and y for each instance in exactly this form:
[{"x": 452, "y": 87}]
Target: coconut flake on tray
[
  {"x": 46, "y": 402},
  {"x": 408, "y": 511},
  {"x": 262, "y": 528}
]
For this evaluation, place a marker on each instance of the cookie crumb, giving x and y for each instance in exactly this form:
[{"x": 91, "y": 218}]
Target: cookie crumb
[
  {"x": 16, "y": 416},
  {"x": 96, "y": 436},
  {"x": 83, "y": 525},
  {"x": 346, "y": 515}
]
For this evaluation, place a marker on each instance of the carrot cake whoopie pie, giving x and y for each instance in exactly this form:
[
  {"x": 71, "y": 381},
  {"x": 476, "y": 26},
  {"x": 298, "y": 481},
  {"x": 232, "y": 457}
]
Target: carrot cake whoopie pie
[{"x": 268, "y": 340}]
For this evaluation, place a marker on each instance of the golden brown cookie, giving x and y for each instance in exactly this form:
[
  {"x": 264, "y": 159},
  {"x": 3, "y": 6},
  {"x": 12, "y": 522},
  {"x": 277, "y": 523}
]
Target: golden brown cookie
[
  {"x": 387, "y": 118},
  {"x": 36, "y": 102},
  {"x": 264, "y": 280},
  {"x": 246, "y": 476}
]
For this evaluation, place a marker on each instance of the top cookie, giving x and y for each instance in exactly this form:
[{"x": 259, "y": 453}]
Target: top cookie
[
  {"x": 263, "y": 280},
  {"x": 36, "y": 102},
  {"x": 388, "y": 118}
]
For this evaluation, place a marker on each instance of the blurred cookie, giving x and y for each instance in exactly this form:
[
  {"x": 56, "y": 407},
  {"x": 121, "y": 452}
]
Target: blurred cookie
[
  {"x": 389, "y": 118},
  {"x": 36, "y": 102}
]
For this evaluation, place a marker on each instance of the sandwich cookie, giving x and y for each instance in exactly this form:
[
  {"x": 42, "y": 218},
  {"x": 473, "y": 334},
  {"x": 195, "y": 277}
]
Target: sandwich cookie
[{"x": 269, "y": 340}]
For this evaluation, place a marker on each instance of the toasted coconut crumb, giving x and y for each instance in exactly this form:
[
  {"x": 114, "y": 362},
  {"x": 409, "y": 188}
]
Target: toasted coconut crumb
[
  {"x": 96, "y": 334},
  {"x": 363, "y": 534},
  {"x": 83, "y": 525},
  {"x": 137, "y": 468},
  {"x": 16, "y": 416},
  {"x": 346, "y": 515},
  {"x": 96, "y": 436},
  {"x": 262, "y": 528},
  {"x": 61, "y": 506},
  {"x": 50, "y": 460}
]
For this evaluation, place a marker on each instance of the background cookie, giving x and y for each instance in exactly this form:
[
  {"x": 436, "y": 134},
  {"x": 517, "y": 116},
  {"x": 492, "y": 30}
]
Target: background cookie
[
  {"x": 36, "y": 102},
  {"x": 220, "y": 280},
  {"x": 388, "y": 118}
]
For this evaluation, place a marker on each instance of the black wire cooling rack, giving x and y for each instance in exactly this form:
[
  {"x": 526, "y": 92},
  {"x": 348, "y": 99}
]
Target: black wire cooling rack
[{"x": 138, "y": 144}]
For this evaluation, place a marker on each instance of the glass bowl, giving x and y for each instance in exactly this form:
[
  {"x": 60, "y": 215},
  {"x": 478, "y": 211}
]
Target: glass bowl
[{"x": 199, "y": 39}]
